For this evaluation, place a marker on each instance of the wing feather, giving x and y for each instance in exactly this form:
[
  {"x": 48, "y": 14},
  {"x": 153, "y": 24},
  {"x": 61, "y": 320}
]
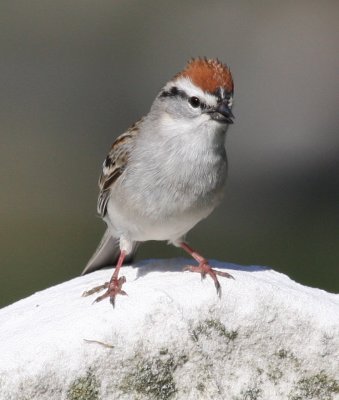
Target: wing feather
[{"x": 114, "y": 165}]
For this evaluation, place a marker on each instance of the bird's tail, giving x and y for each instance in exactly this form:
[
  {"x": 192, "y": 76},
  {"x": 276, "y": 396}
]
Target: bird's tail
[{"x": 107, "y": 254}]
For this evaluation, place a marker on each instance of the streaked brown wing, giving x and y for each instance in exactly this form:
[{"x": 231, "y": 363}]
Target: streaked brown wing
[{"x": 114, "y": 165}]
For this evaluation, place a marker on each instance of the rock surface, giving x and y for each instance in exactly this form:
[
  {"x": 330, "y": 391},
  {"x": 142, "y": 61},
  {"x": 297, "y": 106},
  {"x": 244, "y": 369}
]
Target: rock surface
[{"x": 173, "y": 338}]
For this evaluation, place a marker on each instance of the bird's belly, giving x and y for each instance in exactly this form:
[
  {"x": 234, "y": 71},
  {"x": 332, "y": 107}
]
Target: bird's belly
[
  {"x": 138, "y": 227},
  {"x": 167, "y": 205}
]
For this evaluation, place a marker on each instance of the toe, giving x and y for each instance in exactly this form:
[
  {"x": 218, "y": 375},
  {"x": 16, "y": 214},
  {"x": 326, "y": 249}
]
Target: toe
[
  {"x": 224, "y": 274},
  {"x": 218, "y": 288},
  {"x": 96, "y": 289},
  {"x": 102, "y": 297},
  {"x": 189, "y": 268},
  {"x": 112, "y": 300}
]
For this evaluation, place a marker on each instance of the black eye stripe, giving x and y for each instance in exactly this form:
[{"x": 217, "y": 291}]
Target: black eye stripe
[{"x": 175, "y": 92}]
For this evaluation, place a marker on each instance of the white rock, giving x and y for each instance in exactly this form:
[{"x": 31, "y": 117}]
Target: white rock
[{"x": 173, "y": 338}]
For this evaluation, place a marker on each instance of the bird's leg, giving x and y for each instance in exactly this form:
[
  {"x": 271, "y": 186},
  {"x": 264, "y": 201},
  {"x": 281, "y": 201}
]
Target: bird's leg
[
  {"x": 114, "y": 286},
  {"x": 204, "y": 268}
]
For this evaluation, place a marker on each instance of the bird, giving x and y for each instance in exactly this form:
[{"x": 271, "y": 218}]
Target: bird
[{"x": 167, "y": 172}]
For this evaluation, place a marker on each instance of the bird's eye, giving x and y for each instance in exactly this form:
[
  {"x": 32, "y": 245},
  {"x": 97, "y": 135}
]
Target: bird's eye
[{"x": 194, "y": 102}]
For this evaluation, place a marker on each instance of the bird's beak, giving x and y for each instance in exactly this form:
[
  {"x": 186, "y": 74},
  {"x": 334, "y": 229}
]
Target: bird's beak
[{"x": 222, "y": 113}]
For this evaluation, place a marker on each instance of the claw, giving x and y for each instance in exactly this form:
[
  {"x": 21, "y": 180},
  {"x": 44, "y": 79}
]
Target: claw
[
  {"x": 218, "y": 288},
  {"x": 102, "y": 297},
  {"x": 114, "y": 287},
  {"x": 224, "y": 274},
  {"x": 204, "y": 269}
]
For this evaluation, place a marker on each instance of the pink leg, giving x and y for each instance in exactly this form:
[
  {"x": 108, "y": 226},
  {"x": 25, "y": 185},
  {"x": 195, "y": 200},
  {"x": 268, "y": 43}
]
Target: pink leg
[
  {"x": 114, "y": 286},
  {"x": 204, "y": 268}
]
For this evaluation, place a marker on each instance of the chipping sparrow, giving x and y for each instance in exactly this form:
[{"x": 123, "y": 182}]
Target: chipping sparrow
[{"x": 167, "y": 171}]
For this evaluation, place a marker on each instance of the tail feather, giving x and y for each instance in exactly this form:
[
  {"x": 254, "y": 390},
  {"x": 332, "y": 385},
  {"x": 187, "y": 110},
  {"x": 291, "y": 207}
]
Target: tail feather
[{"x": 107, "y": 254}]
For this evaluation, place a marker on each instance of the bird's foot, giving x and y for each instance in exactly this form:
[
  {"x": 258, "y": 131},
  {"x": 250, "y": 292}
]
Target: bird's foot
[
  {"x": 114, "y": 287},
  {"x": 205, "y": 269}
]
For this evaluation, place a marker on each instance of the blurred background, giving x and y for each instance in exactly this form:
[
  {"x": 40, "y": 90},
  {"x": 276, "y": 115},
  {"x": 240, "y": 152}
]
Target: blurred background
[{"x": 74, "y": 75}]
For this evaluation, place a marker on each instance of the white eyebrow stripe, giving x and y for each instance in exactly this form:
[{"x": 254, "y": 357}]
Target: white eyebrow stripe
[{"x": 187, "y": 86}]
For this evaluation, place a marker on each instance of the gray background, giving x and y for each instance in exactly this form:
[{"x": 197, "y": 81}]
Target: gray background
[{"x": 75, "y": 74}]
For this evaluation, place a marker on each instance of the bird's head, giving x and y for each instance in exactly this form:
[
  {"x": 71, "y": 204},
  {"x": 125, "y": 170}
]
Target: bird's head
[{"x": 202, "y": 93}]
